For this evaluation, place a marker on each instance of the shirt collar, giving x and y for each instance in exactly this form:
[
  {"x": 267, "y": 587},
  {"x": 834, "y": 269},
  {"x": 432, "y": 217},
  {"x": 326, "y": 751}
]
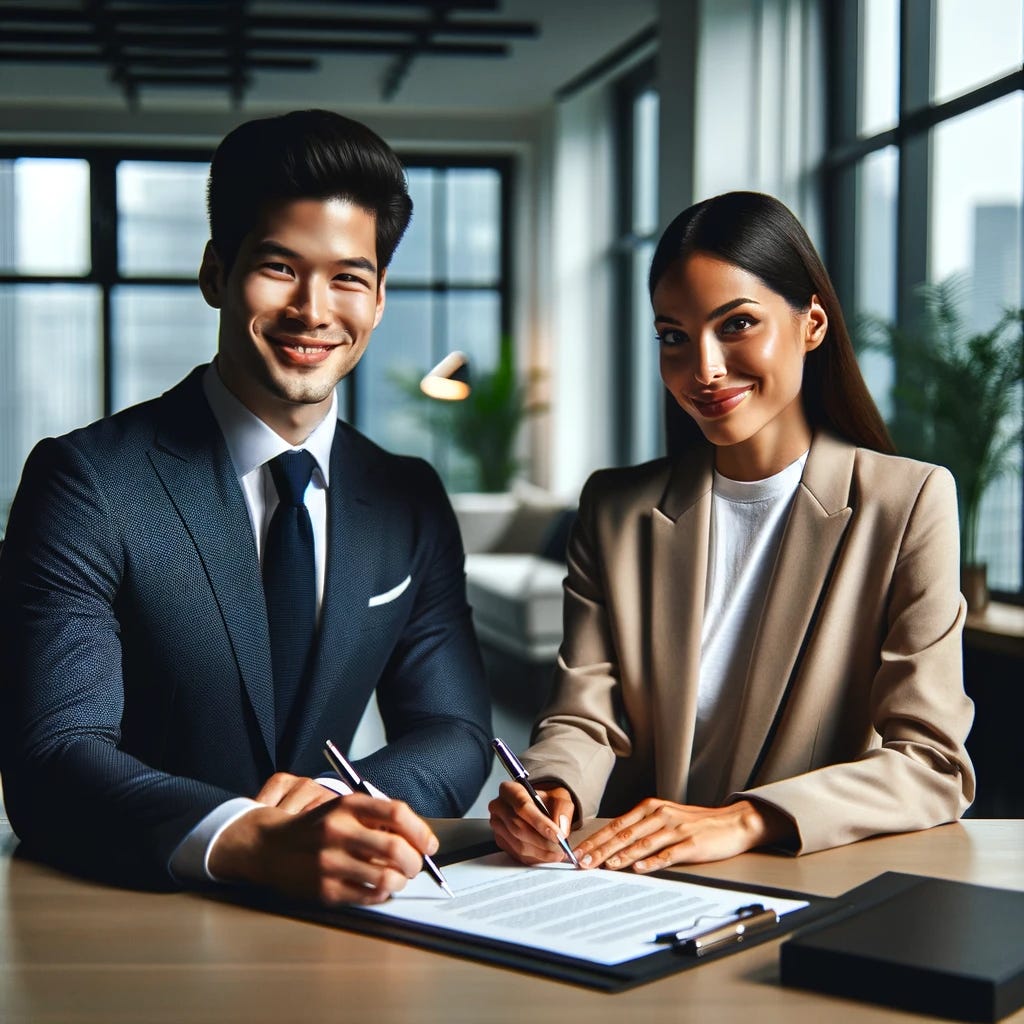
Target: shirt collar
[{"x": 251, "y": 443}]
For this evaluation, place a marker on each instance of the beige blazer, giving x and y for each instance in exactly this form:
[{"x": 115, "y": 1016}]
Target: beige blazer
[{"x": 854, "y": 716}]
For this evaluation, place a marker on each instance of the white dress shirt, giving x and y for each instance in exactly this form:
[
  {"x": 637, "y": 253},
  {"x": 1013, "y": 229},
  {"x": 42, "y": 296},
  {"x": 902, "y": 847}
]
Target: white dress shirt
[{"x": 251, "y": 445}]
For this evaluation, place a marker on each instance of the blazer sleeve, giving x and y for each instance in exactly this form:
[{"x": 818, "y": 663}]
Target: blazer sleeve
[
  {"x": 432, "y": 694},
  {"x": 72, "y": 794},
  {"x": 582, "y": 730},
  {"x": 917, "y": 772}
]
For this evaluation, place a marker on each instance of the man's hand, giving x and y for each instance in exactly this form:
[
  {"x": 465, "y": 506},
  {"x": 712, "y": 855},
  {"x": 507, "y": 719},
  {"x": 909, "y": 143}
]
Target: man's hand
[
  {"x": 522, "y": 831},
  {"x": 658, "y": 833},
  {"x": 293, "y": 793},
  {"x": 353, "y": 849}
]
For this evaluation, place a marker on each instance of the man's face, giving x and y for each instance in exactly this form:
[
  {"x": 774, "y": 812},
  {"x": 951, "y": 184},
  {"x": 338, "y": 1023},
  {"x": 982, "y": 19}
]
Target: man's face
[{"x": 296, "y": 309}]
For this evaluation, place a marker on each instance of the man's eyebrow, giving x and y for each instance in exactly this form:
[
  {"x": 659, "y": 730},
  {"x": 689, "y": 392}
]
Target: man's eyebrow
[{"x": 268, "y": 247}]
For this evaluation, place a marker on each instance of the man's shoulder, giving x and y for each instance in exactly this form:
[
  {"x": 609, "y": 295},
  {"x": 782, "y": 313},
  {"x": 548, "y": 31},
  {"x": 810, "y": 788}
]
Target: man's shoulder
[{"x": 406, "y": 475}]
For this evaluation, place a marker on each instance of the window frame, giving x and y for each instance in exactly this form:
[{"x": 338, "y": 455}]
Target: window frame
[
  {"x": 105, "y": 271},
  {"x": 917, "y": 116}
]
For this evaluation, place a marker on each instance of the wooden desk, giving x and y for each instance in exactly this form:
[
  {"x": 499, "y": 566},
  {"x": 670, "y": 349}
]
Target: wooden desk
[{"x": 75, "y": 952}]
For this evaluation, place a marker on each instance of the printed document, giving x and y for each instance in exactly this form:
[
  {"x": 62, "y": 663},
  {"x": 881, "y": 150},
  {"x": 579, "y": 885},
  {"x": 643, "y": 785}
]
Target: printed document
[{"x": 605, "y": 917}]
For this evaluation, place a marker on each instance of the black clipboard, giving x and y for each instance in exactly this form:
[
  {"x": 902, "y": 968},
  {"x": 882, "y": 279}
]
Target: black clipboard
[{"x": 659, "y": 963}]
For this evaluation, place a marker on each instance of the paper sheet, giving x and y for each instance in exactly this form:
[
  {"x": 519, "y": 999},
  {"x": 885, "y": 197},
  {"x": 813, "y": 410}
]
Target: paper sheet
[{"x": 604, "y": 917}]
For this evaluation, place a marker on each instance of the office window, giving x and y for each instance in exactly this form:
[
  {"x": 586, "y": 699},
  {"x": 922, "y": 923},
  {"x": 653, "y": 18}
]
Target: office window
[
  {"x": 446, "y": 291},
  {"x": 161, "y": 218},
  {"x": 639, "y": 392},
  {"x": 79, "y": 338},
  {"x": 975, "y": 43},
  {"x": 936, "y": 193},
  {"x": 879, "y": 84}
]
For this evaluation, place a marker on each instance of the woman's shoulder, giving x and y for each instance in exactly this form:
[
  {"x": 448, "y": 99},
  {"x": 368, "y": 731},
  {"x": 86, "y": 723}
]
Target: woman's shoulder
[
  {"x": 628, "y": 484},
  {"x": 887, "y": 479}
]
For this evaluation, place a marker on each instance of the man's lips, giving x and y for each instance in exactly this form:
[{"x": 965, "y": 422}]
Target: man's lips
[
  {"x": 718, "y": 403},
  {"x": 303, "y": 351}
]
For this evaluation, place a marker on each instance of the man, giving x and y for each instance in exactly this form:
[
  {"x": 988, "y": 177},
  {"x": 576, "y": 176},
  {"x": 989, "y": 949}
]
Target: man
[{"x": 188, "y": 608}]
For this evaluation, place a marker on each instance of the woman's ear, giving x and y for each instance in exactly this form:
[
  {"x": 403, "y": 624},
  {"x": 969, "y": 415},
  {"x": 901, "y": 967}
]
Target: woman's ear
[
  {"x": 211, "y": 276},
  {"x": 816, "y": 324}
]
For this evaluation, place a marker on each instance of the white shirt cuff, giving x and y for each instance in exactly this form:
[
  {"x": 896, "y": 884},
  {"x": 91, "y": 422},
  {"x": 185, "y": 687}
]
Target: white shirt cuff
[{"x": 190, "y": 860}]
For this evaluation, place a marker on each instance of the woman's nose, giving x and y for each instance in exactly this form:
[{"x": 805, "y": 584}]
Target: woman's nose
[{"x": 710, "y": 361}]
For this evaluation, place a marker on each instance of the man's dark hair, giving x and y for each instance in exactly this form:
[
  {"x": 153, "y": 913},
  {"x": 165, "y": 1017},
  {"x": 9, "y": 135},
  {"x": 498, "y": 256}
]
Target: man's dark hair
[{"x": 307, "y": 154}]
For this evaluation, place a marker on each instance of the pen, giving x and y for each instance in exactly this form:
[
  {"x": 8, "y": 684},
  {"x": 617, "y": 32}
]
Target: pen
[
  {"x": 515, "y": 769},
  {"x": 337, "y": 760},
  {"x": 745, "y": 921}
]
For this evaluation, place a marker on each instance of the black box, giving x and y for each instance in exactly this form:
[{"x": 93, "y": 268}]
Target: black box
[{"x": 946, "y": 948}]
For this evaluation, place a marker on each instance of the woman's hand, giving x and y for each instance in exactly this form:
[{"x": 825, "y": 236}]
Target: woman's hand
[
  {"x": 658, "y": 833},
  {"x": 522, "y": 831}
]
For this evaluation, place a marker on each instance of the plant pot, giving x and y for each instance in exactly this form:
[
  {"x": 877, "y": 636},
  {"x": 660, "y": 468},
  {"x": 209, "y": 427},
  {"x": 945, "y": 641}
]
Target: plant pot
[{"x": 974, "y": 585}]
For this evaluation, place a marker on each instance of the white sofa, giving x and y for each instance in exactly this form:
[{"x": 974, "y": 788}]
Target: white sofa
[{"x": 513, "y": 583}]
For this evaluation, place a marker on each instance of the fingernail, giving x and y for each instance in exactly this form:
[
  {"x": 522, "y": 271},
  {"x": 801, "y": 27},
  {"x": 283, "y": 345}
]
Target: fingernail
[
  {"x": 586, "y": 861},
  {"x": 433, "y": 846},
  {"x": 640, "y": 865},
  {"x": 563, "y": 824}
]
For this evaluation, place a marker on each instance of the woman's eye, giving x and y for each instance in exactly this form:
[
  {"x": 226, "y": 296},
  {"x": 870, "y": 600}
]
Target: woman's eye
[
  {"x": 738, "y": 323},
  {"x": 670, "y": 337}
]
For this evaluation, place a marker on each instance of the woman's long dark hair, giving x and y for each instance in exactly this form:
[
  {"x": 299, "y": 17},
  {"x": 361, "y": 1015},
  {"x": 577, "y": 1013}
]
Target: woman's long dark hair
[{"x": 758, "y": 234}]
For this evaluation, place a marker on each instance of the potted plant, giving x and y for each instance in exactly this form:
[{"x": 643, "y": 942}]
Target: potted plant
[
  {"x": 956, "y": 402},
  {"x": 484, "y": 425}
]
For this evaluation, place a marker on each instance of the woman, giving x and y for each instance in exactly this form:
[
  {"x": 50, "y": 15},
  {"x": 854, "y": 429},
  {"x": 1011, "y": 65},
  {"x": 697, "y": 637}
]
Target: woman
[{"x": 763, "y": 632}]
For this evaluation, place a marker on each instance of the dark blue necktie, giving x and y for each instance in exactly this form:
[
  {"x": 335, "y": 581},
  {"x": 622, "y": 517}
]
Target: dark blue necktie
[{"x": 289, "y": 582}]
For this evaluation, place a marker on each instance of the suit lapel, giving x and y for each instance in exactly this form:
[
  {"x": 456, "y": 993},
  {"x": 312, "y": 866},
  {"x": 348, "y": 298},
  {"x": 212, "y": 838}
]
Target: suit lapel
[
  {"x": 816, "y": 525},
  {"x": 680, "y": 529},
  {"x": 192, "y": 461}
]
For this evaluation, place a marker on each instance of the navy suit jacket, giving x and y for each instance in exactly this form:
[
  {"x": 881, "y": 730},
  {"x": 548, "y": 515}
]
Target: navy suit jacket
[{"x": 136, "y": 689}]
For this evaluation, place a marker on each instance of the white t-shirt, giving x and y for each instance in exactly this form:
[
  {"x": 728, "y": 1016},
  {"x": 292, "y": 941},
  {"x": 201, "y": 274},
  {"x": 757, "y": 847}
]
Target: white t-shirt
[{"x": 747, "y": 522}]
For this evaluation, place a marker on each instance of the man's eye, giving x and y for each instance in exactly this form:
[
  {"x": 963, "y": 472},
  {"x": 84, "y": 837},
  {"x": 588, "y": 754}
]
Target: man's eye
[
  {"x": 278, "y": 268},
  {"x": 670, "y": 337}
]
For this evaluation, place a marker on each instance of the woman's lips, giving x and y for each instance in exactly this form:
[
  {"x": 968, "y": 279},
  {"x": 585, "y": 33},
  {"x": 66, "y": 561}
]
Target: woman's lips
[{"x": 718, "y": 403}]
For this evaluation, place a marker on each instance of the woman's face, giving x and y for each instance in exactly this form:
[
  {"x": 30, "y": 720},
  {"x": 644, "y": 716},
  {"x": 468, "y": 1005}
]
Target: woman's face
[{"x": 732, "y": 355}]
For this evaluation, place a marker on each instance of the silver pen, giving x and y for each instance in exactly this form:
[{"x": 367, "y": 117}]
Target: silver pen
[
  {"x": 337, "y": 760},
  {"x": 516, "y": 771}
]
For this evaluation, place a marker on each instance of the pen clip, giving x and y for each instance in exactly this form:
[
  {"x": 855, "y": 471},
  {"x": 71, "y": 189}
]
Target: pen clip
[
  {"x": 732, "y": 933},
  {"x": 512, "y": 763},
  {"x": 337, "y": 760}
]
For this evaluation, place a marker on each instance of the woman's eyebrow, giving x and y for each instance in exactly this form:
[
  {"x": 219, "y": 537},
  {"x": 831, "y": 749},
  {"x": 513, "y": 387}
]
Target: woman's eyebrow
[
  {"x": 716, "y": 312},
  {"x": 726, "y": 306}
]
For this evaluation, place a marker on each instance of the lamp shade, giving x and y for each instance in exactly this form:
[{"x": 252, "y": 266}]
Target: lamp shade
[{"x": 449, "y": 380}]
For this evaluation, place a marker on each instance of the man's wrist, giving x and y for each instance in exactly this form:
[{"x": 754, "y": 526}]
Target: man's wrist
[{"x": 236, "y": 854}]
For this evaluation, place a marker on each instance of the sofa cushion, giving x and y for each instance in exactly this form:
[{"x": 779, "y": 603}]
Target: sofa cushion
[{"x": 517, "y": 602}]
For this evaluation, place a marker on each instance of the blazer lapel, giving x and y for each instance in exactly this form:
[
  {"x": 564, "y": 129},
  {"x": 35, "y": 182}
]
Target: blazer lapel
[
  {"x": 357, "y": 535},
  {"x": 680, "y": 528},
  {"x": 815, "y": 527},
  {"x": 192, "y": 461}
]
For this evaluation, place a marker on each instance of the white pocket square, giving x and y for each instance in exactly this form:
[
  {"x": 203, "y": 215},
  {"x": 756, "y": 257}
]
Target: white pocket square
[{"x": 389, "y": 595}]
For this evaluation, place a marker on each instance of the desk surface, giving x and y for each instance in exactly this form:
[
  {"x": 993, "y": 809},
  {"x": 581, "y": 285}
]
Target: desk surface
[{"x": 79, "y": 953}]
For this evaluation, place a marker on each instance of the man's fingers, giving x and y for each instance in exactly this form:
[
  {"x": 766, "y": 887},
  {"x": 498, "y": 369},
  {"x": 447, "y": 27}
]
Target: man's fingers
[{"x": 396, "y": 817}]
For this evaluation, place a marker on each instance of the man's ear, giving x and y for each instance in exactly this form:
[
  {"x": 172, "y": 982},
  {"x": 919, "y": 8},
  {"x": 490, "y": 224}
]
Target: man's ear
[
  {"x": 380, "y": 297},
  {"x": 817, "y": 324},
  {"x": 211, "y": 277}
]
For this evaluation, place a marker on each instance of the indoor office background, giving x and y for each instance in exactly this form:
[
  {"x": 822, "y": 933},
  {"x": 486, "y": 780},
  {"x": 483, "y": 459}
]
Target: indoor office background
[{"x": 540, "y": 179}]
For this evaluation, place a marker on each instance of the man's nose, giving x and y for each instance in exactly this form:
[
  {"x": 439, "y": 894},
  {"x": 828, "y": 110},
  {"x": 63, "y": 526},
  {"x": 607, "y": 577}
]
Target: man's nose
[{"x": 310, "y": 302}]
